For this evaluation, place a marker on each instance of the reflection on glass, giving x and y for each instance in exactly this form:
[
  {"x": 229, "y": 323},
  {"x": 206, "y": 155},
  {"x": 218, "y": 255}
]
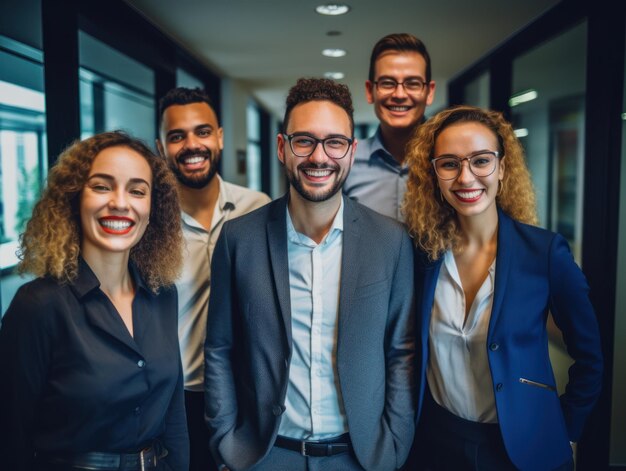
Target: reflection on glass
[
  {"x": 253, "y": 154},
  {"x": 116, "y": 92},
  {"x": 476, "y": 92},
  {"x": 553, "y": 124},
  {"x": 23, "y": 159}
]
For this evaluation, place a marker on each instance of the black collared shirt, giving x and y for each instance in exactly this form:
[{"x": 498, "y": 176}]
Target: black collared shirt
[{"x": 74, "y": 380}]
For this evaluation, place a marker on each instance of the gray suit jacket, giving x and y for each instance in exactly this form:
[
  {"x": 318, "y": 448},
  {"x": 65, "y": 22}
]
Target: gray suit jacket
[{"x": 248, "y": 343}]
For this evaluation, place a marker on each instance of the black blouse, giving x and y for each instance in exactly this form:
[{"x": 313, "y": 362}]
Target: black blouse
[{"x": 74, "y": 380}]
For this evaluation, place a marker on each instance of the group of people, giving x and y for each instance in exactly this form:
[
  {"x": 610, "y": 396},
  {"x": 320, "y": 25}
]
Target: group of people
[{"x": 388, "y": 311}]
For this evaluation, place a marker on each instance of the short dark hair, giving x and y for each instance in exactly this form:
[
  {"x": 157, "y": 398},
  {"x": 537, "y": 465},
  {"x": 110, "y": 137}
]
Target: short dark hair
[
  {"x": 319, "y": 89},
  {"x": 401, "y": 42},
  {"x": 182, "y": 96}
]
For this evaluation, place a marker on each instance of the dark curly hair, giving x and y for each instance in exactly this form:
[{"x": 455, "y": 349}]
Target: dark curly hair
[
  {"x": 319, "y": 89},
  {"x": 400, "y": 42},
  {"x": 183, "y": 96},
  {"x": 50, "y": 245}
]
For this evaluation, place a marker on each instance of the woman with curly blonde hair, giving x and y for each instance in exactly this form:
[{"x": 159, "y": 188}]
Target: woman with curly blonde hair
[
  {"x": 487, "y": 278},
  {"x": 89, "y": 350}
]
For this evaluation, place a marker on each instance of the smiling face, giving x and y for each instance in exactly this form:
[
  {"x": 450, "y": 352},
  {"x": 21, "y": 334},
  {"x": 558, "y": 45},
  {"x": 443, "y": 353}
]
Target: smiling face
[
  {"x": 469, "y": 195},
  {"x": 115, "y": 202},
  {"x": 317, "y": 177},
  {"x": 399, "y": 109},
  {"x": 191, "y": 141}
]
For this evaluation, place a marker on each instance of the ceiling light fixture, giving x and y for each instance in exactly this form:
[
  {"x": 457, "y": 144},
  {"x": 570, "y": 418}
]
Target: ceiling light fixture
[
  {"x": 334, "y": 75},
  {"x": 523, "y": 97},
  {"x": 332, "y": 9},
  {"x": 334, "y": 52},
  {"x": 521, "y": 132},
  {"x": 624, "y": 116}
]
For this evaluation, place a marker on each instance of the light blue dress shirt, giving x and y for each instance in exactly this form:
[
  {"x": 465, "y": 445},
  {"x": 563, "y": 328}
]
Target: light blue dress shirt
[
  {"x": 376, "y": 179},
  {"x": 314, "y": 406}
]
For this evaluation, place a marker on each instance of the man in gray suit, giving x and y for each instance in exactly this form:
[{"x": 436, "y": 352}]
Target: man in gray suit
[{"x": 310, "y": 346}]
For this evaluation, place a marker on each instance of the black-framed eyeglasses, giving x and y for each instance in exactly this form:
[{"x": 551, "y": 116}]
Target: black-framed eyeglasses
[
  {"x": 303, "y": 145},
  {"x": 481, "y": 164},
  {"x": 389, "y": 85}
]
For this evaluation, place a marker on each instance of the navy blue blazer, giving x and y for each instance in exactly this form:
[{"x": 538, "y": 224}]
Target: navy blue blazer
[
  {"x": 535, "y": 274},
  {"x": 248, "y": 345}
]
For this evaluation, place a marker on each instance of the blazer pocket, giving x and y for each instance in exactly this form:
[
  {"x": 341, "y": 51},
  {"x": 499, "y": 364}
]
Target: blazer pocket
[{"x": 536, "y": 384}]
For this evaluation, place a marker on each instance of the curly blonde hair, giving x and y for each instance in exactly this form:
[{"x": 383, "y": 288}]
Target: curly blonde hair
[
  {"x": 432, "y": 221},
  {"x": 50, "y": 245}
]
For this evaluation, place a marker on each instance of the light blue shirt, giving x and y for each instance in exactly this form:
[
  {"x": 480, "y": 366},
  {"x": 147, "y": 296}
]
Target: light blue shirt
[
  {"x": 376, "y": 179},
  {"x": 314, "y": 406}
]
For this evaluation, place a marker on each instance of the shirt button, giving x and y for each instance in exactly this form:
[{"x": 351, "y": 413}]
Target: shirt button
[
  {"x": 141, "y": 363},
  {"x": 494, "y": 346},
  {"x": 499, "y": 387},
  {"x": 137, "y": 410},
  {"x": 319, "y": 372}
]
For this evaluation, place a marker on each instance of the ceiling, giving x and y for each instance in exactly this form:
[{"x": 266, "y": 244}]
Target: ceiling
[{"x": 266, "y": 45}]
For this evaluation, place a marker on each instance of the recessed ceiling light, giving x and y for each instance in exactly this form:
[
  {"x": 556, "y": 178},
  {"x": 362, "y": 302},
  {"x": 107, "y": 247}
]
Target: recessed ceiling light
[
  {"x": 523, "y": 97},
  {"x": 333, "y": 33},
  {"x": 333, "y": 9},
  {"x": 334, "y": 75},
  {"x": 334, "y": 52}
]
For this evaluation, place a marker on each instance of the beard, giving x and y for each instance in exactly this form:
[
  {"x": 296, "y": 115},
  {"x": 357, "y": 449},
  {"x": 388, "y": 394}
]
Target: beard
[
  {"x": 195, "y": 180},
  {"x": 313, "y": 196}
]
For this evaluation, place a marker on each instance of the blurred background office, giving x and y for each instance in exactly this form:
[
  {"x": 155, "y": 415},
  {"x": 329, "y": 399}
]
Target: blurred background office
[{"x": 555, "y": 68}]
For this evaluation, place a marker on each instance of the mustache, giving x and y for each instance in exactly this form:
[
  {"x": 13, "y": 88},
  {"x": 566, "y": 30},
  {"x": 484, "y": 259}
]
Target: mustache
[
  {"x": 314, "y": 166},
  {"x": 185, "y": 153}
]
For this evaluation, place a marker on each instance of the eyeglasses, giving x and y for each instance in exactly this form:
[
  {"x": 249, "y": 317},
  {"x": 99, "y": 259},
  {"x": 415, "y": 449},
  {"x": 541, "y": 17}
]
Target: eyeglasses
[
  {"x": 389, "y": 85},
  {"x": 481, "y": 164},
  {"x": 303, "y": 145}
]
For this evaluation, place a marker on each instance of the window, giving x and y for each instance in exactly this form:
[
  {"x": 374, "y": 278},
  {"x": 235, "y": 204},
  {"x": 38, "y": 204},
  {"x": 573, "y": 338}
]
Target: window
[
  {"x": 551, "y": 128},
  {"x": 116, "y": 92},
  {"x": 253, "y": 152},
  {"x": 23, "y": 160}
]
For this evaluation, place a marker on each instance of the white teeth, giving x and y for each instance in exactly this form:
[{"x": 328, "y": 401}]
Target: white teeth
[
  {"x": 115, "y": 224},
  {"x": 317, "y": 173},
  {"x": 194, "y": 160},
  {"x": 399, "y": 108},
  {"x": 468, "y": 195}
]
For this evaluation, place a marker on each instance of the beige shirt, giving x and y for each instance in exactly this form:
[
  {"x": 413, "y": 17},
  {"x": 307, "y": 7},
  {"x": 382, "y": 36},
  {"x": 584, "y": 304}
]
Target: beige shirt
[{"x": 194, "y": 285}]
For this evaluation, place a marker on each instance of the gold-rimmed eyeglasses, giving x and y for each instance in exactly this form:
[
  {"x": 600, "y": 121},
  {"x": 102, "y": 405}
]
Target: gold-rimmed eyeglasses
[{"x": 481, "y": 164}]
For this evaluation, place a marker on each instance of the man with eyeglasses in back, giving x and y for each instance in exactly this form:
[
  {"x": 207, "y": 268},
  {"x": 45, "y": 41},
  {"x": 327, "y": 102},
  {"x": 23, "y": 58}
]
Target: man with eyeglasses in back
[
  {"x": 310, "y": 340},
  {"x": 400, "y": 87}
]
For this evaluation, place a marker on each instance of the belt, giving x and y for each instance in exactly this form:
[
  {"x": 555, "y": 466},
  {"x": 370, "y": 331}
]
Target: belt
[
  {"x": 328, "y": 447},
  {"x": 143, "y": 460}
]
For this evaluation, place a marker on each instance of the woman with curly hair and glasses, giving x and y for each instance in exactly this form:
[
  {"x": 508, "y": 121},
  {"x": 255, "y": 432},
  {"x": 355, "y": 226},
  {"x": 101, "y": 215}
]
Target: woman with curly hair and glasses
[
  {"x": 487, "y": 278},
  {"x": 89, "y": 356}
]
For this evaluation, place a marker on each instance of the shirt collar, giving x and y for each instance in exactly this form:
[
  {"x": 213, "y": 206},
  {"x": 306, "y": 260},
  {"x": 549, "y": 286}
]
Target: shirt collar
[
  {"x": 298, "y": 238},
  {"x": 86, "y": 281},
  {"x": 225, "y": 203}
]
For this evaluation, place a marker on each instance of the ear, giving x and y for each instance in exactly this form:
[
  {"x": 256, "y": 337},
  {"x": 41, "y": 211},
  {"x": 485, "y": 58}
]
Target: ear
[
  {"x": 159, "y": 147},
  {"x": 280, "y": 147},
  {"x": 431, "y": 93},
  {"x": 352, "y": 154},
  {"x": 501, "y": 169},
  {"x": 220, "y": 138},
  {"x": 369, "y": 91}
]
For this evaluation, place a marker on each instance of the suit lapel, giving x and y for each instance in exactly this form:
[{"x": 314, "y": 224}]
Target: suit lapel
[
  {"x": 351, "y": 257},
  {"x": 277, "y": 245},
  {"x": 503, "y": 265}
]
